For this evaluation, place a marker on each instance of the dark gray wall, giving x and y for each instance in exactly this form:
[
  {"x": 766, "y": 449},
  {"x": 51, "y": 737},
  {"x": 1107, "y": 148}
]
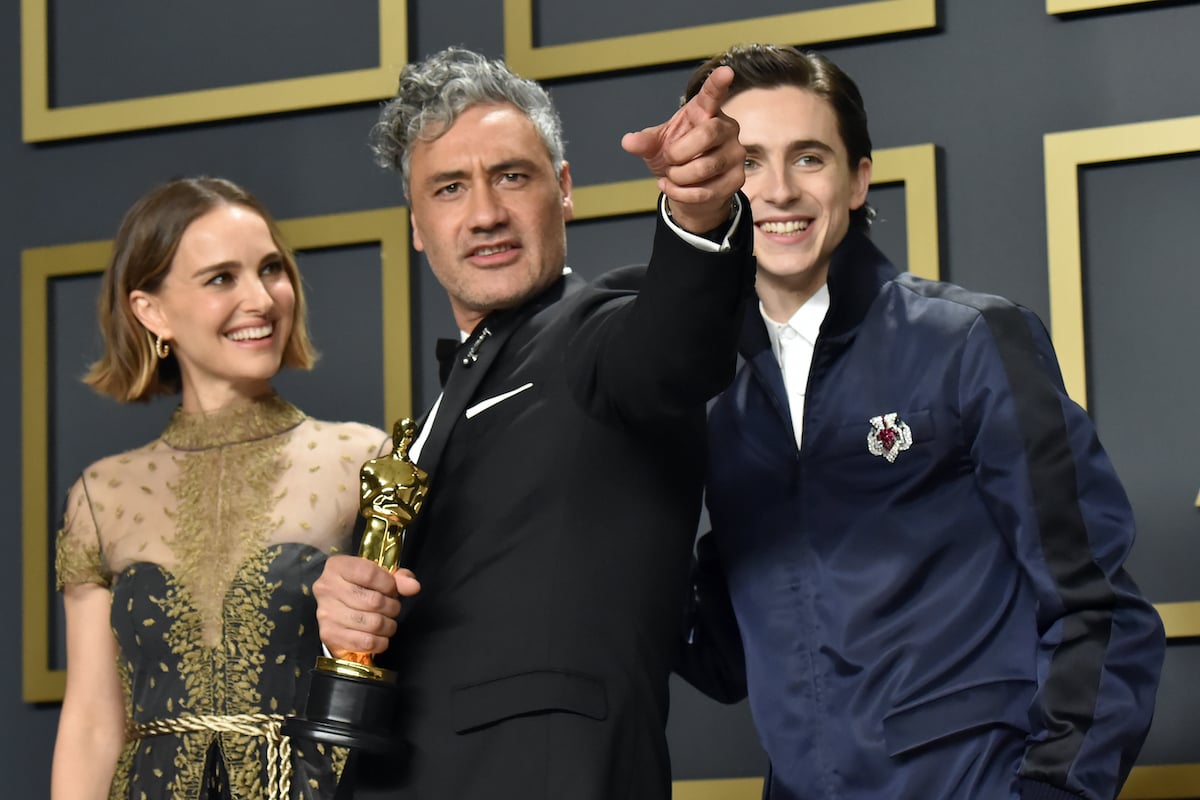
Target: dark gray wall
[{"x": 985, "y": 88}]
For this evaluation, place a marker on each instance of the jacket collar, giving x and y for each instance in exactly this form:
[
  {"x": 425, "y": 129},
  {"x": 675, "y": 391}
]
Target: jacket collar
[{"x": 857, "y": 272}]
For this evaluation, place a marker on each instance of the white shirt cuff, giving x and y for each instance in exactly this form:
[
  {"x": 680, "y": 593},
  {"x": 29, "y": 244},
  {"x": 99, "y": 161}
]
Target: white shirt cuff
[{"x": 699, "y": 242}]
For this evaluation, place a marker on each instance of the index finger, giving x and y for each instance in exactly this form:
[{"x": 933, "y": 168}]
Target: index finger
[
  {"x": 360, "y": 572},
  {"x": 713, "y": 93}
]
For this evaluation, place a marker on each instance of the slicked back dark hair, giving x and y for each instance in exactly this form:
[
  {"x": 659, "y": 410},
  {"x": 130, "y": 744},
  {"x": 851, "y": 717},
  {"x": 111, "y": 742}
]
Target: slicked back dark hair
[{"x": 767, "y": 66}]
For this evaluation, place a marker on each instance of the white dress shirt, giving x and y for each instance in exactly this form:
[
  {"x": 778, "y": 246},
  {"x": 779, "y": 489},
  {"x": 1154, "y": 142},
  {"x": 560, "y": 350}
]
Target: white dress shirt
[{"x": 792, "y": 343}]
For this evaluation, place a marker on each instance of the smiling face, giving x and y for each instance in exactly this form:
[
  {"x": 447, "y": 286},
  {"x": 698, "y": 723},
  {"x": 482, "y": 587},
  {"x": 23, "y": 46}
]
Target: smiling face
[
  {"x": 801, "y": 186},
  {"x": 226, "y": 306},
  {"x": 488, "y": 211}
]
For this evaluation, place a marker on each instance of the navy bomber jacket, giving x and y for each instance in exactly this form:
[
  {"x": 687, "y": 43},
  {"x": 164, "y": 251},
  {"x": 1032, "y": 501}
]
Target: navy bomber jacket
[{"x": 929, "y": 593}]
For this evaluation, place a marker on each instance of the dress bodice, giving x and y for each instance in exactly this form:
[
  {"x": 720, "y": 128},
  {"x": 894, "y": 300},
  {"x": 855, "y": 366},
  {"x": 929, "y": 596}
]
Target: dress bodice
[{"x": 209, "y": 539}]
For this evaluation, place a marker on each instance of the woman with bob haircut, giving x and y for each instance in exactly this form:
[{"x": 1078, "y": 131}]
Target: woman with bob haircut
[{"x": 186, "y": 564}]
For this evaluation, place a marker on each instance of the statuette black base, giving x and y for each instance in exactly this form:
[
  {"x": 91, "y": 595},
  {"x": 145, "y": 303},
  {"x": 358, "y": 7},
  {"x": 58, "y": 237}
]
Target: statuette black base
[{"x": 349, "y": 711}]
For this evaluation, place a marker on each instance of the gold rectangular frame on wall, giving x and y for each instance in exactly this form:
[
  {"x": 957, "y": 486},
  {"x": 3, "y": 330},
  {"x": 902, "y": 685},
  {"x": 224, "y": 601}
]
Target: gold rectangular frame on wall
[
  {"x": 42, "y": 123},
  {"x": 386, "y": 226},
  {"x": 837, "y": 23},
  {"x": 1065, "y": 153},
  {"x": 914, "y": 166},
  {"x": 718, "y": 789},
  {"x": 1166, "y": 782},
  {"x": 1181, "y": 620},
  {"x": 1169, "y": 782},
  {"x": 1071, "y": 6}
]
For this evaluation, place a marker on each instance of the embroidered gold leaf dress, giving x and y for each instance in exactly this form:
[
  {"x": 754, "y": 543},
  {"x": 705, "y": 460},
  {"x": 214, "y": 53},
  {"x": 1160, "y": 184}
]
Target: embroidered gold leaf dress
[{"x": 209, "y": 539}]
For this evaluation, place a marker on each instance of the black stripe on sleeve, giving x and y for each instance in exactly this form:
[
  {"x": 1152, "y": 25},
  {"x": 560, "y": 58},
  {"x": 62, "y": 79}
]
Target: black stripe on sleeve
[{"x": 1072, "y": 685}]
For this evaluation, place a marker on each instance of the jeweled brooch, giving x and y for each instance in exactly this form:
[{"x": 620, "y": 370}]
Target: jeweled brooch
[{"x": 889, "y": 436}]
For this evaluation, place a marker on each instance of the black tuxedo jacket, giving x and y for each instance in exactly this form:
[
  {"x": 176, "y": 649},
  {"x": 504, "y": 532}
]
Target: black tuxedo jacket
[{"x": 566, "y": 465}]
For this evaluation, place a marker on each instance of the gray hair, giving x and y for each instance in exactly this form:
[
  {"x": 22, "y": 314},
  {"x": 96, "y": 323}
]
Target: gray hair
[{"x": 434, "y": 92}]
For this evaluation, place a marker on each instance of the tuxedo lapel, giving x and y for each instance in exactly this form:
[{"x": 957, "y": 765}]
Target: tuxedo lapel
[{"x": 471, "y": 362}]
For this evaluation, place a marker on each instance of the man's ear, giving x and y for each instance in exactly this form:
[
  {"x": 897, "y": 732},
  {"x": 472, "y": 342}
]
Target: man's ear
[
  {"x": 862, "y": 184},
  {"x": 417, "y": 244},
  {"x": 564, "y": 185},
  {"x": 147, "y": 308}
]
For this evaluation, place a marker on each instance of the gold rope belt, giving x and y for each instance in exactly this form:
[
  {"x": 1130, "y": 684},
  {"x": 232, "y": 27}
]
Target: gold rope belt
[{"x": 279, "y": 747}]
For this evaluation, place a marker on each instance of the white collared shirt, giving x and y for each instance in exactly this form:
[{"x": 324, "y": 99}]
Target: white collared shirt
[{"x": 792, "y": 343}]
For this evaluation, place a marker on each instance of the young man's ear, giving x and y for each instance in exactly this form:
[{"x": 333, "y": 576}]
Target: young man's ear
[
  {"x": 417, "y": 244},
  {"x": 862, "y": 184}
]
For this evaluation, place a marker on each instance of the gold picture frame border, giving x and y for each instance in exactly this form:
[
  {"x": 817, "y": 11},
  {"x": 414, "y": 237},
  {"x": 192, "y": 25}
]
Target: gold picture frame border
[
  {"x": 386, "y": 226},
  {"x": 1067, "y": 152},
  {"x": 42, "y": 123},
  {"x": 718, "y": 789},
  {"x": 1162, "y": 782},
  {"x": 693, "y": 43},
  {"x": 1073, "y": 6},
  {"x": 1165, "y": 782}
]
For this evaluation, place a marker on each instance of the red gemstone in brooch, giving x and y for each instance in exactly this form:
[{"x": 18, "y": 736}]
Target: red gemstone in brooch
[{"x": 889, "y": 436}]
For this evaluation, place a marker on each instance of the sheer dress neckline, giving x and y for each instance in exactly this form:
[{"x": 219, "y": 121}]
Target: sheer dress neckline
[
  {"x": 261, "y": 418},
  {"x": 209, "y": 538}
]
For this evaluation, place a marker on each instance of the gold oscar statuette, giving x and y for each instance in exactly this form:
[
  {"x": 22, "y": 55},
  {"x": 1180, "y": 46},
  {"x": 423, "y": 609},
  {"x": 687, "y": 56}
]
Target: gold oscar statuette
[{"x": 351, "y": 701}]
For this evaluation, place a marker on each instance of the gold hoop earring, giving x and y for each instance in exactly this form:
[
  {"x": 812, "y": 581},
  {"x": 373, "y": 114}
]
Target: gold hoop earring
[{"x": 161, "y": 348}]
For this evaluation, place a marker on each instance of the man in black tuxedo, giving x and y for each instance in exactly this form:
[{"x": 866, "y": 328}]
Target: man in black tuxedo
[{"x": 565, "y": 453}]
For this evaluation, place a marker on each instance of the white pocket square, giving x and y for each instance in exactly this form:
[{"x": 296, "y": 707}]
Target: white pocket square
[{"x": 484, "y": 405}]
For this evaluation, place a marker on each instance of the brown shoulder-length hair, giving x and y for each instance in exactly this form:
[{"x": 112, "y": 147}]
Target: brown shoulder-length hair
[
  {"x": 145, "y": 246},
  {"x": 768, "y": 66}
]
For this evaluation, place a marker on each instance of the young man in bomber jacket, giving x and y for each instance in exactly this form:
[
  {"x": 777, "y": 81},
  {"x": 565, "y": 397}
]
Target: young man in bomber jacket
[{"x": 915, "y": 529}]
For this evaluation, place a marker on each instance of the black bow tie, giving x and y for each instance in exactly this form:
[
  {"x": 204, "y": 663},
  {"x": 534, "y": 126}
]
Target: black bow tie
[
  {"x": 446, "y": 350},
  {"x": 449, "y": 350}
]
